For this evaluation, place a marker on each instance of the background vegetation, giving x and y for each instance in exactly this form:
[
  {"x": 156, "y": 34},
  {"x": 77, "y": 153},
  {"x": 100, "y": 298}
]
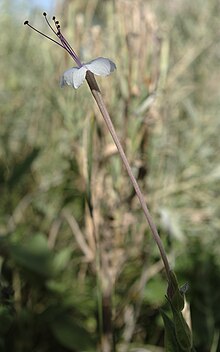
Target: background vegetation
[{"x": 62, "y": 182}]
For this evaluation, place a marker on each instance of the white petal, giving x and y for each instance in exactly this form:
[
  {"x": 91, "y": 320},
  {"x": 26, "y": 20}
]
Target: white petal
[
  {"x": 74, "y": 77},
  {"x": 101, "y": 66},
  {"x": 79, "y": 76},
  {"x": 67, "y": 78}
]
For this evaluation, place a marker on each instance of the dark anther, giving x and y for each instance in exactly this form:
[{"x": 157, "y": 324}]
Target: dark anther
[
  {"x": 58, "y": 27},
  {"x": 25, "y": 22},
  {"x": 53, "y": 18},
  {"x": 44, "y": 14},
  {"x": 57, "y": 22}
]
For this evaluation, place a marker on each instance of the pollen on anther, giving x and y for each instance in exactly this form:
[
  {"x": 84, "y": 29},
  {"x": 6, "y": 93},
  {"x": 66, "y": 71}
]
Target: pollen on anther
[{"x": 25, "y": 22}]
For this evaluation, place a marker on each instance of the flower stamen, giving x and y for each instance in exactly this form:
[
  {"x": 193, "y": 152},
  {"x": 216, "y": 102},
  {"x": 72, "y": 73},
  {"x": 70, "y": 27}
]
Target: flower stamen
[
  {"x": 64, "y": 43},
  {"x": 48, "y": 23},
  {"x": 44, "y": 35}
]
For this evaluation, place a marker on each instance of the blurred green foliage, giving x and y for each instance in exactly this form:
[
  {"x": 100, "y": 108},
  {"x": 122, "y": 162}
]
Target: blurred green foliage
[{"x": 59, "y": 173}]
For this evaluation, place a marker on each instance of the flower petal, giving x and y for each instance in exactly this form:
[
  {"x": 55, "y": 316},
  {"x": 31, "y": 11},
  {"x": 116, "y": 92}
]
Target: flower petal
[
  {"x": 67, "y": 78},
  {"x": 101, "y": 66},
  {"x": 74, "y": 77},
  {"x": 79, "y": 76}
]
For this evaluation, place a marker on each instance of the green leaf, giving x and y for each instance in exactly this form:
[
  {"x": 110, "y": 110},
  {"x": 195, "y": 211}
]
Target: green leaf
[
  {"x": 174, "y": 294},
  {"x": 176, "y": 300},
  {"x": 6, "y": 320},
  {"x": 62, "y": 258},
  {"x": 171, "y": 344},
  {"x": 154, "y": 291},
  {"x": 21, "y": 168},
  {"x": 70, "y": 334},
  {"x": 34, "y": 255},
  {"x": 183, "y": 333}
]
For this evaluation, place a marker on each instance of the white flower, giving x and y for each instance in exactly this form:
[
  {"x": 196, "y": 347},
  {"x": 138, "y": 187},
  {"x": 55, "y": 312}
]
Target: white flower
[{"x": 75, "y": 76}]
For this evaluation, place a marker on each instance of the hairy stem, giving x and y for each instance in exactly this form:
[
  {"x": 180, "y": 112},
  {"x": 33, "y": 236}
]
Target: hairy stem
[{"x": 99, "y": 100}]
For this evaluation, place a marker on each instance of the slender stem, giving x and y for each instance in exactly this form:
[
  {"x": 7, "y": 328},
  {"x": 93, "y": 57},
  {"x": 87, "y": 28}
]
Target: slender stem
[{"x": 99, "y": 100}]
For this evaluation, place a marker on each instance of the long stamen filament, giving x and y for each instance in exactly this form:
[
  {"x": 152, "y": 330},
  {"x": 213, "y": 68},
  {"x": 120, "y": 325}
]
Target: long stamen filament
[
  {"x": 64, "y": 43},
  {"x": 44, "y": 35},
  {"x": 67, "y": 45},
  {"x": 48, "y": 23}
]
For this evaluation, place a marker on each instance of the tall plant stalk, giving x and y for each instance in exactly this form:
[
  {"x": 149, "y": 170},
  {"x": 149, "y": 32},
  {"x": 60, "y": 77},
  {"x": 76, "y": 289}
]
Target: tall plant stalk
[{"x": 93, "y": 85}]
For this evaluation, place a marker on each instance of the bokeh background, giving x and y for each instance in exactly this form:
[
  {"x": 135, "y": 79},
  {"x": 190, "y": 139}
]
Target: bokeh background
[{"x": 62, "y": 182}]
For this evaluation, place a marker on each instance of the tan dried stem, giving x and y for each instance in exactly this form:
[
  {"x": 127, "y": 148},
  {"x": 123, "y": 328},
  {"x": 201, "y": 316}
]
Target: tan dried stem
[{"x": 100, "y": 102}]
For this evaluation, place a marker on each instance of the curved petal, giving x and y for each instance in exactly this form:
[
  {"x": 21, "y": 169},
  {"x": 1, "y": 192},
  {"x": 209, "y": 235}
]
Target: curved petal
[
  {"x": 79, "y": 75},
  {"x": 101, "y": 66},
  {"x": 74, "y": 77},
  {"x": 67, "y": 78}
]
